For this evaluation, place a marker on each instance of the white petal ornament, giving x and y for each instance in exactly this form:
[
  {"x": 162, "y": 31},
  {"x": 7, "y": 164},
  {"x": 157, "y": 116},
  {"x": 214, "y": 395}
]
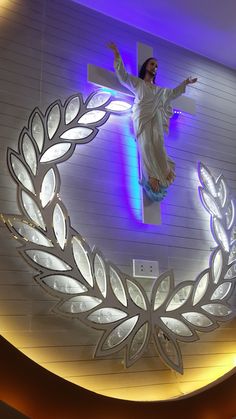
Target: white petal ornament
[
  {"x": 87, "y": 286},
  {"x": 230, "y": 213},
  {"x": 176, "y": 326},
  {"x": 21, "y": 173},
  {"x": 161, "y": 290},
  {"x": 107, "y": 315},
  {"x": 47, "y": 260},
  {"x": 53, "y": 121},
  {"x": 100, "y": 274},
  {"x": 220, "y": 234},
  {"x": 98, "y": 99},
  {"x": 138, "y": 344},
  {"x": 76, "y": 134},
  {"x": 221, "y": 191},
  {"x": 37, "y": 130},
  {"x": 118, "y": 105},
  {"x": 179, "y": 298},
  {"x": 28, "y": 232},
  {"x": 207, "y": 180},
  {"x": 59, "y": 225},
  {"x": 48, "y": 188},
  {"x": 91, "y": 117},
  {"x": 80, "y": 304},
  {"x": 55, "y": 152},
  {"x": 210, "y": 204},
  {"x": 32, "y": 210},
  {"x": 231, "y": 273},
  {"x": 82, "y": 260},
  {"x": 120, "y": 333},
  {"x": 62, "y": 284},
  {"x": 222, "y": 291},
  {"x": 72, "y": 109},
  {"x": 197, "y": 319},
  {"x": 29, "y": 153},
  {"x": 217, "y": 309},
  {"x": 217, "y": 265},
  {"x": 136, "y": 295},
  {"x": 169, "y": 350},
  {"x": 118, "y": 287},
  {"x": 200, "y": 287}
]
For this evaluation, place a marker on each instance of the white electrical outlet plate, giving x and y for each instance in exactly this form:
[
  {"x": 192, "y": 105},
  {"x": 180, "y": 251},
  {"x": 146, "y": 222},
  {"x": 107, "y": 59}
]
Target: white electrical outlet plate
[{"x": 145, "y": 268}]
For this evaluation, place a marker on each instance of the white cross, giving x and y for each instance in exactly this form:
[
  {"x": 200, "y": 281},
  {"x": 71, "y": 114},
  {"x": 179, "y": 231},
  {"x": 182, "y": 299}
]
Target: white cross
[{"x": 151, "y": 213}]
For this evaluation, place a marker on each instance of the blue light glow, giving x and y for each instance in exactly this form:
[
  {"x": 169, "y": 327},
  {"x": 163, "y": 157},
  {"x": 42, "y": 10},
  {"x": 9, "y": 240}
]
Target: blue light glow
[
  {"x": 176, "y": 114},
  {"x": 106, "y": 90},
  {"x": 130, "y": 162}
]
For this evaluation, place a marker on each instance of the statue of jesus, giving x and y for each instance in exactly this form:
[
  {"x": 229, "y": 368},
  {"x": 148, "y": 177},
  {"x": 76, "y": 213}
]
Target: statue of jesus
[{"x": 151, "y": 113}]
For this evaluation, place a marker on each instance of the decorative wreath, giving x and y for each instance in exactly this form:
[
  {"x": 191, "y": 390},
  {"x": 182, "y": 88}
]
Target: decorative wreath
[{"x": 90, "y": 288}]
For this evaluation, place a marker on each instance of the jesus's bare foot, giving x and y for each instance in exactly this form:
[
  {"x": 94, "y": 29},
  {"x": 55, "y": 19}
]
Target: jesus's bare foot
[
  {"x": 171, "y": 176},
  {"x": 154, "y": 183}
]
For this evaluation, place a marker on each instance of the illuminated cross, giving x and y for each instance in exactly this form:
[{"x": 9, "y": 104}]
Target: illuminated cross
[{"x": 151, "y": 212}]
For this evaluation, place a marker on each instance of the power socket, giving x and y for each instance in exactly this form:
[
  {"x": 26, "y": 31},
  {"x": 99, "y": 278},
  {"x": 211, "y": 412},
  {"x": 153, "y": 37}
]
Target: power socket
[{"x": 145, "y": 268}]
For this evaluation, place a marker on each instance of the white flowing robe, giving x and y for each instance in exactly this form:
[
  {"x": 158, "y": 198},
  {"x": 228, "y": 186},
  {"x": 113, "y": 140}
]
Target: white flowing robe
[{"x": 151, "y": 113}]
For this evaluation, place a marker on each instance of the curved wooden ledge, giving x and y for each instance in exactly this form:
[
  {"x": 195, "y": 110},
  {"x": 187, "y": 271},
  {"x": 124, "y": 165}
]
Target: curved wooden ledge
[{"x": 39, "y": 394}]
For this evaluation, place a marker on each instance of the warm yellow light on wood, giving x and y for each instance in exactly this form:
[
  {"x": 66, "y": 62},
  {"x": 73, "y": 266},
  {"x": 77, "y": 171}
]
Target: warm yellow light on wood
[{"x": 159, "y": 384}]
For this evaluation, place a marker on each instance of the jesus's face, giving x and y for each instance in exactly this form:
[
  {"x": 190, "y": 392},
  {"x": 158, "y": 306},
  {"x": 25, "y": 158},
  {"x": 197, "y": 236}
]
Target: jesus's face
[{"x": 151, "y": 67}]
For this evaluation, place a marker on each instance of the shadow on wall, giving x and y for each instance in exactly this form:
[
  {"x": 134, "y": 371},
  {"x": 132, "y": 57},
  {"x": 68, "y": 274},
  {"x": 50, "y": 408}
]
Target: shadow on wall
[{"x": 7, "y": 412}]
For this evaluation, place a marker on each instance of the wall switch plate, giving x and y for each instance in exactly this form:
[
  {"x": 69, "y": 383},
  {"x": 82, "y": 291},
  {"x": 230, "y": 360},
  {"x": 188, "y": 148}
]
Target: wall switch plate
[{"x": 145, "y": 268}]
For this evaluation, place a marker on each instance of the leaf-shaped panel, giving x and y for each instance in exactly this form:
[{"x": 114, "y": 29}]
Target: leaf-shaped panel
[
  {"x": 64, "y": 284},
  {"x": 100, "y": 274},
  {"x": 179, "y": 298},
  {"x": 98, "y": 99},
  {"x": 220, "y": 234},
  {"x": 37, "y": 130},
  {"x": 162, "y": 292},
  {"x": 79, "y": 304},
  {"x": 82, "y": 260},
  {"x": 117, "y": 287},
  {"x": 91, "y": 117},
  {"x": 29, "y": 153},
  {"x": 30, "y": 233},
  {"x": 120, "y": 333},
  {"x": 47, "y": 260},
  {"x": 169, "y": 350},
  {"x": 217, "y": 265},
  {"x": 22, "y": 173},
  {"x": 207, "y": 180},
  {"x": 106, "y": 315},
  {"x": 222, "y": 291},
  {"x": 48, "y": 188},
  {"x": 138, "y": 341},
  {"x": 229, "y": 214},
  {"x": 210, "y": 203},
  {"x": 231, "y": 273},
  {"x": 232, "y": 256},
  {"x": 200, "y": 288},
  {"x": 53, "y": 121},
  {"x": 59, "y": 225},
  {"x": 217, "y": 309},
  {"x": 55, "y": 152},
  {"x": 33, "y": 210},
  {"x": 197, "y": 319},
  {"x": 72, "y": 109},
  {"x": 176, "y": 326},
  {"x": 136, "y": 295},
  {"x": 77, "y": 133},
  {"x": 118, "y": 106},
  {"x": 222, "y": 191}
]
